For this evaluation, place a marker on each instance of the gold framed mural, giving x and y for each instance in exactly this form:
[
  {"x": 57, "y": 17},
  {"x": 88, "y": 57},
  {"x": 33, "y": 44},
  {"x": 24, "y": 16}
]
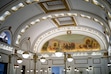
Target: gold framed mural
[{"x": 88, "y": 44}]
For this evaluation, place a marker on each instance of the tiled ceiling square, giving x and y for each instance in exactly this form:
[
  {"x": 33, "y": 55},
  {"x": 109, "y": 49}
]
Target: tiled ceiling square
[
  {"x": 54, "y": 5},
  {"x": 64, "y": 21}
]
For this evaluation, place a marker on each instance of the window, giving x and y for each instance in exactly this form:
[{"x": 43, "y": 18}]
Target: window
[{"x": 5, "y": 37}]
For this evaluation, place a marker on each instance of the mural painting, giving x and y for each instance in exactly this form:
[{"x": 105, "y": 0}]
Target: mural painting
[{"x": 88, "y": 44}]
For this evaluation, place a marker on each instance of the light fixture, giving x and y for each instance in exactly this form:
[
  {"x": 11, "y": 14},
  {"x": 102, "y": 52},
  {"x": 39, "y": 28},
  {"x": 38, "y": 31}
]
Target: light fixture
[
  {"x": 41, "y": 70},
  {"x": 16, "y": 66},
  {"x": 31, "y": 70},
  {"x": 109, "y": 64},
  {"x": 76, "y": 70},
  {"x": 49, "y": 69},
  {"x": 36, "y": 0},
  {"x": 42, "y": 59},
  {"x": 58, "y": 53},
  {"x": 45, "y": 70},
  {"x": 36, "y": 70},
  {"x": 21, "y": 70},
  {"x": 25, "y": 54},
  {"x": 19, "y": 60},
  {"x": 69, "y": 58},
  {"x": 0, "y": 56},
  {"x": 28, "y": 71},
  {"x": 89, "y": 68}
]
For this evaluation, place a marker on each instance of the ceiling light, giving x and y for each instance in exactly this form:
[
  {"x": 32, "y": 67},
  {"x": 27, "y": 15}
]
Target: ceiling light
[
  {"x": 25, "y": 54},
  {"x": 62, "y": 14},
  {"x": 87, "y": 0},
  {"x": 2, "y": 18},
  {"x": 7, "y": 13},
  {"x": 58, "y": 53},
  {"x": 19, "y": 60},
  {"x": 33, "y": 22},
  {"x": 42, "y": 59},
  {"x": 21, "y": 4},
  {"x": 50, "y": 16},
  {"x": 69, "y": 14},
  {"x": 36, "y": 0},
  {"x": 17, "y": 42},
  {"x": 37, "y": 20},
  {"x": 19, "y": 36},
  {"x": 14, "y": 8},
  {"x": 23, "y": 30},
  {"x": 56, "y": 15},
  {"x": 44, "y": 18},
  {"x": 69, "y": 58},
  {"x": 95, "y": 2}
]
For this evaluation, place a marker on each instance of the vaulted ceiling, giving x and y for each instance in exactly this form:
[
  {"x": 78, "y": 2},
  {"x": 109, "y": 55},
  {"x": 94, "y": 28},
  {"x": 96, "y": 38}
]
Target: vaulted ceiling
[{"x": 40, "y": 21}]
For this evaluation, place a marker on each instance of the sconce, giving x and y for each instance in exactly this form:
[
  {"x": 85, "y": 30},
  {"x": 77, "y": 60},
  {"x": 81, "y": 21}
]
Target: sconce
[
  {"x": 69, "y": 68},
  {"x": 49, "y": 69},
  {"x": 76, "y": 70},
  {"x": 58, "y": 52},
  {"x": 25, "y": 54},
  {"x": 42, "y": 59},
  {"x": 89, "y": 68}
]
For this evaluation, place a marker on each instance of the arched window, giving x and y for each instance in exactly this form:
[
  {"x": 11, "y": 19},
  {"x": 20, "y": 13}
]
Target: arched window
[{"x": 5, "y": 37}]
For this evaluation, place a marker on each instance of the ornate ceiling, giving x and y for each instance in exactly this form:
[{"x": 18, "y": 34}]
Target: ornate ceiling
[{"x": 32, "y": 23}]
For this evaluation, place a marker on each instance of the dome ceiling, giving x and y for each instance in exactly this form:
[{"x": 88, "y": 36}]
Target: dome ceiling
[{"x": 41, "y": 21}]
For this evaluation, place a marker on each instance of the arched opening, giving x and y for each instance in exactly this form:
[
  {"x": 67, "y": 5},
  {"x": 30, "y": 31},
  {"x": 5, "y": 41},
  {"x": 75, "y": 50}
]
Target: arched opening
[{"x": 5, "y": 37}]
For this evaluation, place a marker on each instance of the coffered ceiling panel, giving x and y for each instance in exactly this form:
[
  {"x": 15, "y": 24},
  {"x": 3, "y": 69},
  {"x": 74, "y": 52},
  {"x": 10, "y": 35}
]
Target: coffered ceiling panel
[{"x": 54, "y": 5}]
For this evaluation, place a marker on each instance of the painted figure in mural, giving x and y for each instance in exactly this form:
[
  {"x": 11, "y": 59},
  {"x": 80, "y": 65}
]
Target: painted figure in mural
[
  {"x": 72, "y": 45},
  {"x": 44, "y": 48}
]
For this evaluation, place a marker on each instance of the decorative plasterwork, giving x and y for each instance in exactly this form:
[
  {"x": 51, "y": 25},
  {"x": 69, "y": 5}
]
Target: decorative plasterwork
[
  {"x": 75, "y": 30},
  {"x": 53, "y": 16},
  {"x": 22, "y": 5},
  {"x": 54, "y": 5},
  {"x": 65, "y": 21},
  {"x": 6, "y": 47}
]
